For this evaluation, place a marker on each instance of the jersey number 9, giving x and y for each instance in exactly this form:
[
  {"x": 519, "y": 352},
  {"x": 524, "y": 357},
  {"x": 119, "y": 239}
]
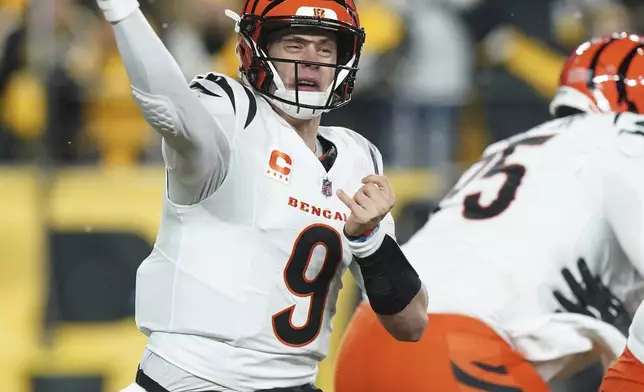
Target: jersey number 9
[{"x": 316, "y": 288}]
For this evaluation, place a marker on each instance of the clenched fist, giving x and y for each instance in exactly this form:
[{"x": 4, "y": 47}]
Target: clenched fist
[{"x": 368, "y": 206}]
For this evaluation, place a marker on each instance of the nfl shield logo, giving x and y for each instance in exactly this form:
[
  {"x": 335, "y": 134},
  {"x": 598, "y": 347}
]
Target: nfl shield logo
[{"x": 327, "y": 189}]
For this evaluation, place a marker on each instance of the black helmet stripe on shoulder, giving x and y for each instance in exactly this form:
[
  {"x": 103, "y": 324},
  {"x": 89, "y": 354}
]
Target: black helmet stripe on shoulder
[
  {"x": 200, "y": 87},
  {"x": 223, "y": 83}
]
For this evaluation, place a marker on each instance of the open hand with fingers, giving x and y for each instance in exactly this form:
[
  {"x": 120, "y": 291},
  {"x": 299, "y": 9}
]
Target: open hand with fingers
[
  {"x": 368, "y": 206},
  {"x": 594, "y": 299}
]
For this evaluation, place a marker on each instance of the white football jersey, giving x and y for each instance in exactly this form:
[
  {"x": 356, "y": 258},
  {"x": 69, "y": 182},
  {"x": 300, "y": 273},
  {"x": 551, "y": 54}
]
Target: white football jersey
[
  {"x": 533, "y": 205},
  {"x": 241, "y": 286}
]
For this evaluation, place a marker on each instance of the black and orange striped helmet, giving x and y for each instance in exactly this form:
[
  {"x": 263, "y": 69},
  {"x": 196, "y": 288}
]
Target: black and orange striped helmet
[
  {"x": 603, "y": 75},
  {"x": 261, "y": 17}
]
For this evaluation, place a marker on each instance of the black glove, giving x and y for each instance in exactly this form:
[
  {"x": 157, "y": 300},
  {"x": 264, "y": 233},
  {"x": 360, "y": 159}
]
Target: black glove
[{"x": 594, "y": 299}]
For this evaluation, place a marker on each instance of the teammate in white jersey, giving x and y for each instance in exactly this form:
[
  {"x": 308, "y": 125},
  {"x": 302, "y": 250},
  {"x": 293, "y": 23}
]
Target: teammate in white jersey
[
  {"x": 492, "y": 256},
  {"x": 258, "y": 228}
]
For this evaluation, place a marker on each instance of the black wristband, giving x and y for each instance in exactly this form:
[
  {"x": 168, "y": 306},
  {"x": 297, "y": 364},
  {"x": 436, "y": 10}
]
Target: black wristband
[{"x": 390, "y": 281}]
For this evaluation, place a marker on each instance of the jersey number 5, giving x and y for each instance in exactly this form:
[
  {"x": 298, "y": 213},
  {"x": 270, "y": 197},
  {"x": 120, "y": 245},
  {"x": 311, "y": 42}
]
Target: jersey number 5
[
  {"x": 472, "y": 207},
  {"x": 316, "y": 288}
]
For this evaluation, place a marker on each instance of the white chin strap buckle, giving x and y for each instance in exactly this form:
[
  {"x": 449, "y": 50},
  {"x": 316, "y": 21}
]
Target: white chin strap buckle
[{"x": 234, "y": 16}]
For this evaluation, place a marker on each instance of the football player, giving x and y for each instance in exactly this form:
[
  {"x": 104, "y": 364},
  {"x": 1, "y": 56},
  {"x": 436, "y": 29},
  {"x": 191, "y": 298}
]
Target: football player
[
  {"x": 492, "y": 256},
  {"x": 264, "y": 209}
]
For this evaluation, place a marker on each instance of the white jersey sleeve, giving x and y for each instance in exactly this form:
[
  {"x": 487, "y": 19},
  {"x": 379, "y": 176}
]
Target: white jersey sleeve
[
  {"x": 197, "y": 121},
  {"x": 387, "y": 224},
  {"x": 623, "y": 188}
]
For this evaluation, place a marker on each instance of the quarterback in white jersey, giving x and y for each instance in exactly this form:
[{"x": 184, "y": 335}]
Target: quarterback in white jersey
[
  {"x": 257, "y": 227},
  {"x": 492, "y": 256}
]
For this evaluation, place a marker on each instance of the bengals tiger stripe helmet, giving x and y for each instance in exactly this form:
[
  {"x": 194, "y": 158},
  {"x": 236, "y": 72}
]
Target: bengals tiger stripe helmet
[
  {"x": 603, "y": 75},
  {"x": 261, "y": 17}
]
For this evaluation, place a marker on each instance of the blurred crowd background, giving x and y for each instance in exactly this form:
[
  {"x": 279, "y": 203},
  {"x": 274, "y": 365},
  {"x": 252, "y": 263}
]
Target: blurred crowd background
[{"x": 81, "y": 173}]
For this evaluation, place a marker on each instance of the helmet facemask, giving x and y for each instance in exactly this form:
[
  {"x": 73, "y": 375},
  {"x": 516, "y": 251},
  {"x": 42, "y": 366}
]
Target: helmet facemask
[{"x": 259, "y": 69}]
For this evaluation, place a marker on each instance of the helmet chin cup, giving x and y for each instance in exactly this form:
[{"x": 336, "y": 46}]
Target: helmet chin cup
[
  {"x": 303, "y": 105},
  {"x": 235, "y": 17}
]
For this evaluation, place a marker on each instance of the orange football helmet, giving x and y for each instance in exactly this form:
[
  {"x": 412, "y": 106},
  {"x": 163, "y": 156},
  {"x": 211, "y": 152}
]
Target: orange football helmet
[
  {"x": 603, "y": 75},
  {"x": 261, "y": 17}
]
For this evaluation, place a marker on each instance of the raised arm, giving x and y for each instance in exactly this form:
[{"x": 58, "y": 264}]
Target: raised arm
[{"x": 196, "y": 139}]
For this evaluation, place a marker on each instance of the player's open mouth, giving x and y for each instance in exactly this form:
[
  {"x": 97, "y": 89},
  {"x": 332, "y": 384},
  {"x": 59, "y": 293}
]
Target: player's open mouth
[{"x": 308, "y": 85}]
